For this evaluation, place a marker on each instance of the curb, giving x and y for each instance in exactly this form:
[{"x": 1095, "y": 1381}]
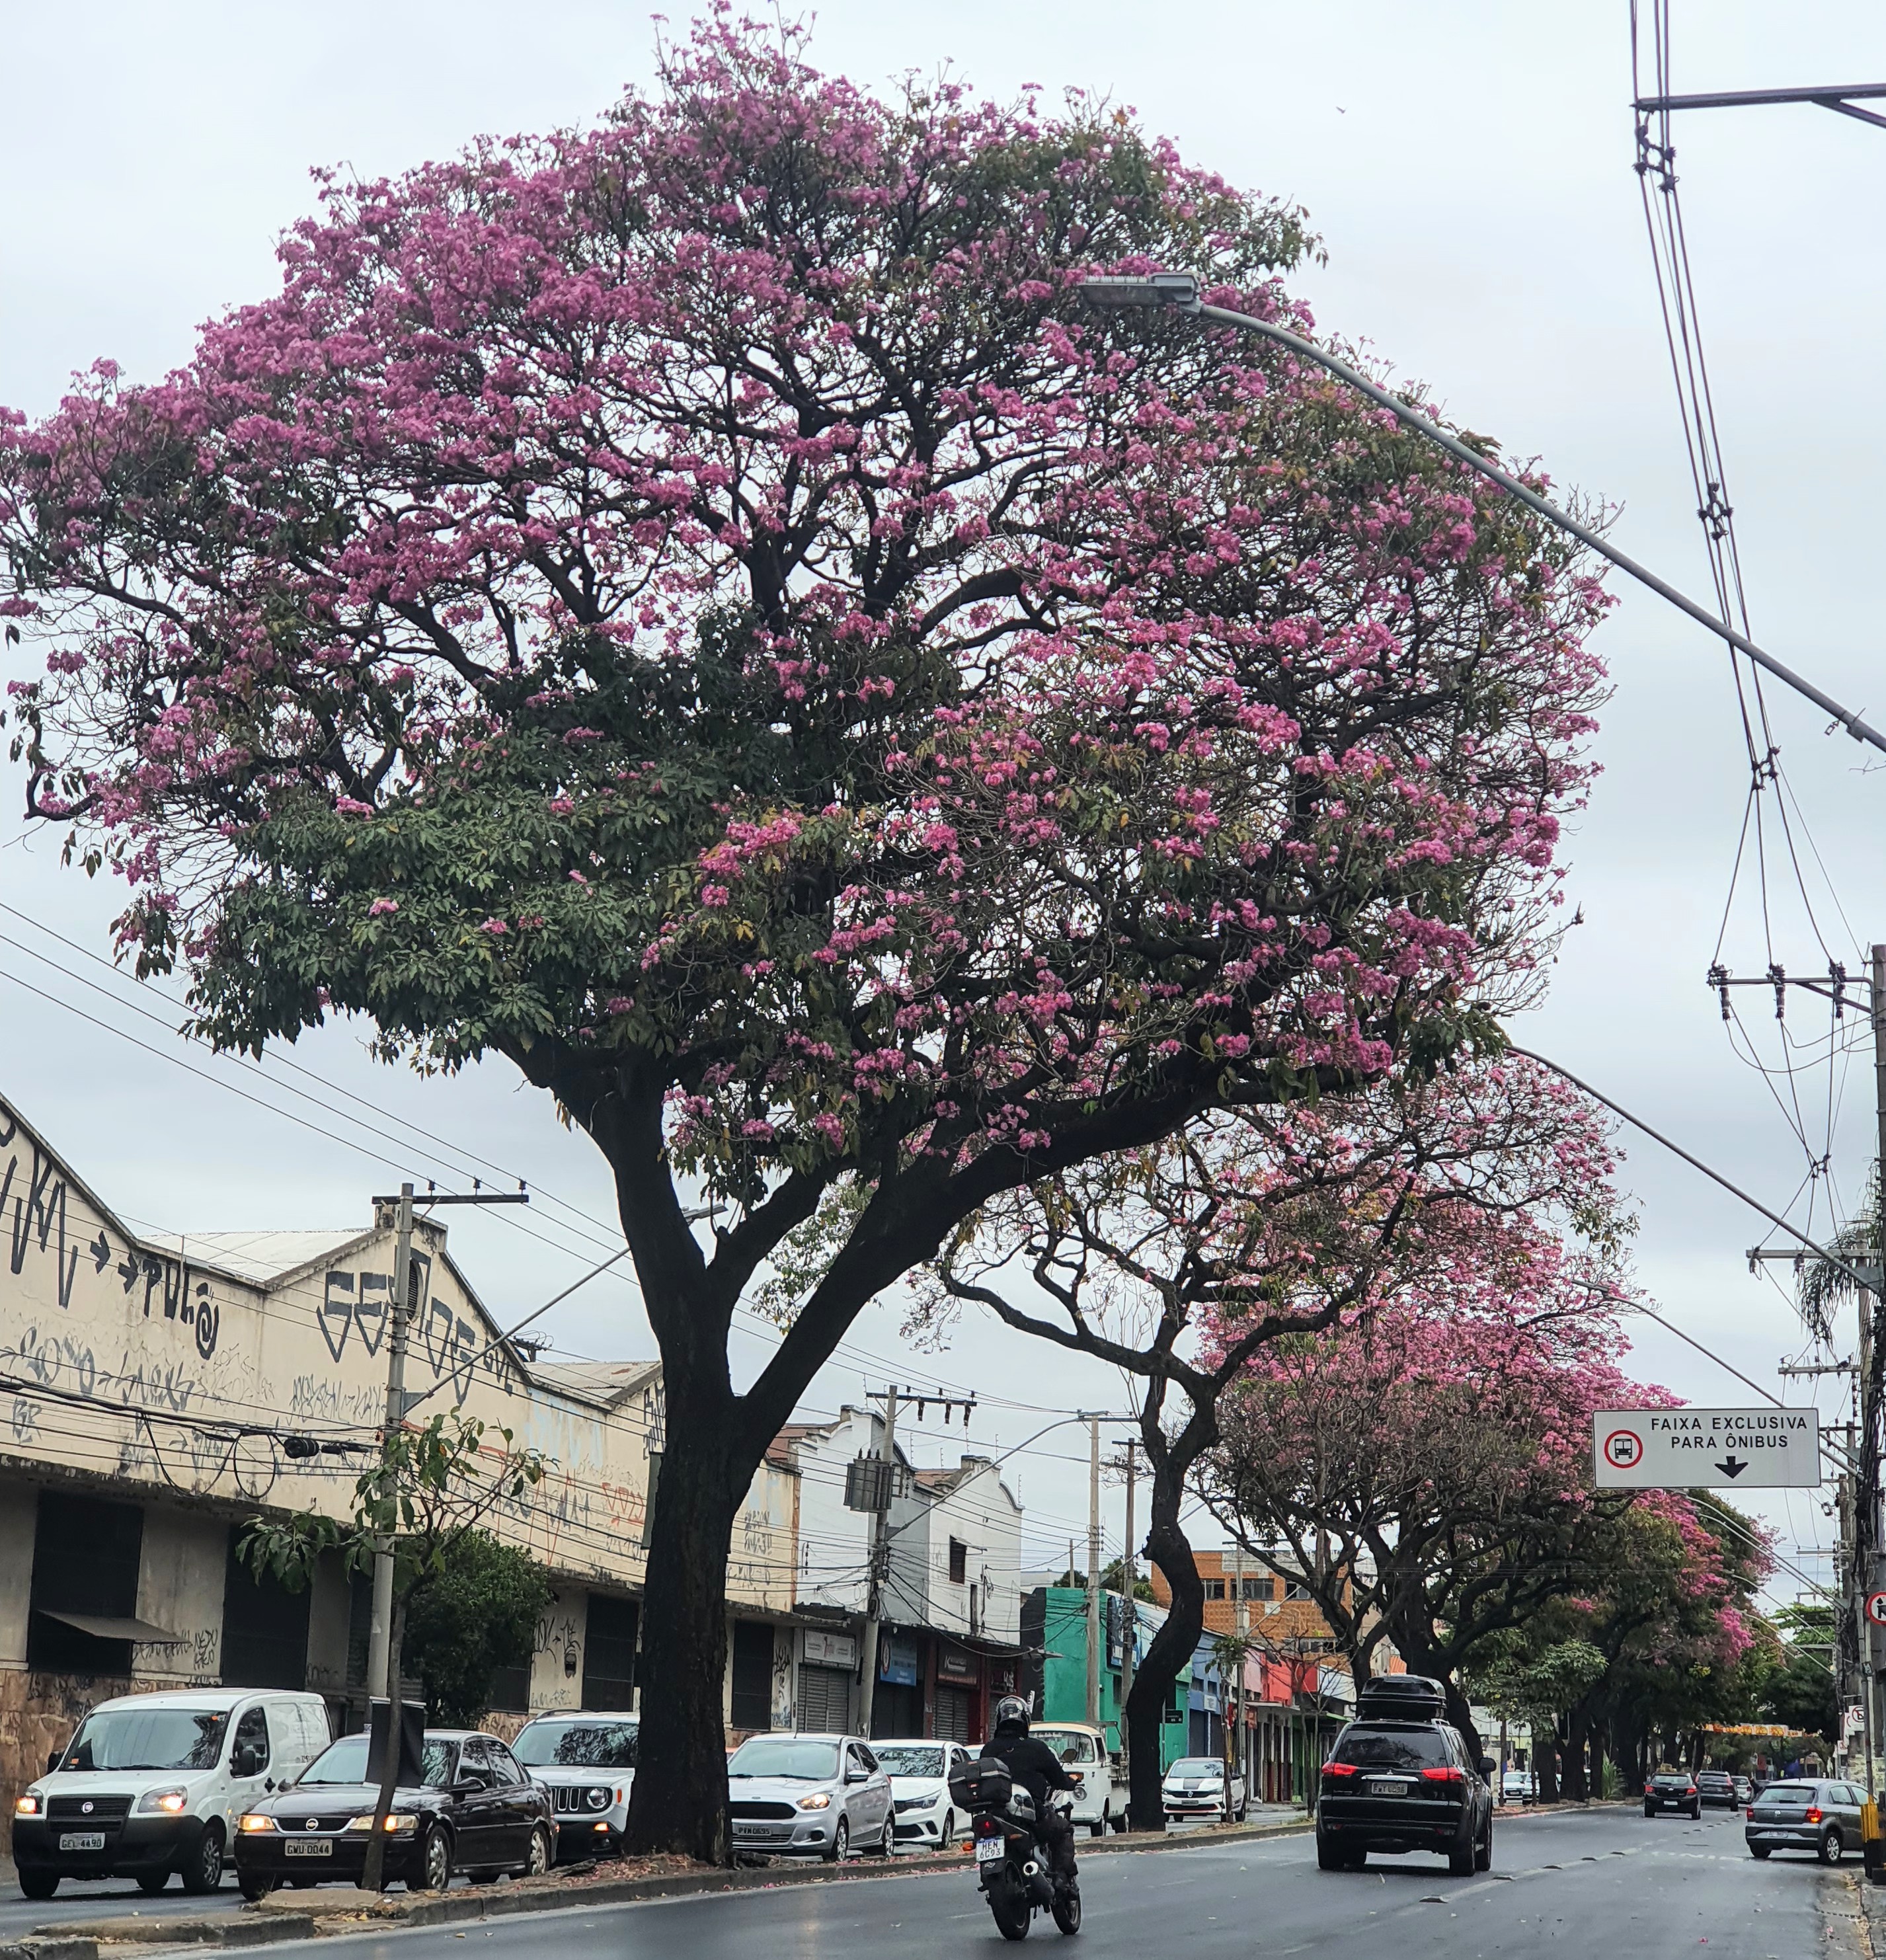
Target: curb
[{"x": 249, "y": 1928}]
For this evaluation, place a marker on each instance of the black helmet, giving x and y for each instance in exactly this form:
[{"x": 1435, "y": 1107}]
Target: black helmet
[{"x": 1011, "y": 1712}]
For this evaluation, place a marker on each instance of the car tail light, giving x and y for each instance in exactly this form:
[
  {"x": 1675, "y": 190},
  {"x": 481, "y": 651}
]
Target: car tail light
[
  {"x": 1339, "y": 1769},
  {"x": 1449, "y": 1774},
  {"x": 1813, "y": 1817}
]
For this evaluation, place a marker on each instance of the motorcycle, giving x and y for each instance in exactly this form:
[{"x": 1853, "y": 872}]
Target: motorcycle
[{"x": 1011, "y": 1862}]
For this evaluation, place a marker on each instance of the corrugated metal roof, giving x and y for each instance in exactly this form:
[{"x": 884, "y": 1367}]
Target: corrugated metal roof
[{"x": 260, "y": 1257}]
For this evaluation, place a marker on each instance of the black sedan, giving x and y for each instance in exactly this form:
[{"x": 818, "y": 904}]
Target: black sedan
[
  {"x": 473, "y": 1810},
  {"x": 1673, "y": 1790}
]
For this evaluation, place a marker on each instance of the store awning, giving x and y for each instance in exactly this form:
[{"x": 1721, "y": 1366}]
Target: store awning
[{"x": 102, "y": 1626}]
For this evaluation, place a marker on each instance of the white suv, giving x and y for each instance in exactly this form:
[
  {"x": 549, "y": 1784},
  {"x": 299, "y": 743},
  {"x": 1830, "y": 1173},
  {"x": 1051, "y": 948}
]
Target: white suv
[
  {"x": 586, "y": 1761},
  {"x": 151, "y": 1784}
]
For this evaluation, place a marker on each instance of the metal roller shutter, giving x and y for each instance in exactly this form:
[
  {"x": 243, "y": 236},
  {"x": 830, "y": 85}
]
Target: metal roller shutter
[
  {"x": 952, "y": 1714},
  {"x": 824, "y": 1699}
]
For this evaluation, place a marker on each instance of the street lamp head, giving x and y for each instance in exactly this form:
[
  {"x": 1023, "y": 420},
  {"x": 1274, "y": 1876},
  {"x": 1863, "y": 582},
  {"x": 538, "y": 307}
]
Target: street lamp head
[{"x": 1173, "y": 292}]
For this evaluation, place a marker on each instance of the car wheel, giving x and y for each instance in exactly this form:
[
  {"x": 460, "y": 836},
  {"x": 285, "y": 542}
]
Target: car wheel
[
  {"x": 1462, "y": 1858},
  {"x": 1329, "y": 1858},
  {"x": 434, "y": 1862},
  {"x": 886, "y": 1839},
  {"x": 1832, "y": 1845},
  {"x": 1760, "y": 1851},
  {"x": 1696, "y": 1813},
  {"x": 947, "y": 1841},
  {"x": 1098, "y": 1827},
  {"x": 1650, "y": 1810},
  {"x": 38, "y": 1885},
  {"x": 203, "y": 1873},
  {"x": 538, "y": 1861},
  {"x": 840, "y": 1843},
  {"x": 151, "y": 1883},
  {"x": 255, "y": 1886}
]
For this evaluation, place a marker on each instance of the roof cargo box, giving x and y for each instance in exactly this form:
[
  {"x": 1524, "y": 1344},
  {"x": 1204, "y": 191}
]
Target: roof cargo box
[{"x": 1406, "y": 1697}]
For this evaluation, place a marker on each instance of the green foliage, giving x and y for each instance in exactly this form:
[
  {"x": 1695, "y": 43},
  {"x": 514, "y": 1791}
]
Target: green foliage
[{"x": 479, "y": 1615}]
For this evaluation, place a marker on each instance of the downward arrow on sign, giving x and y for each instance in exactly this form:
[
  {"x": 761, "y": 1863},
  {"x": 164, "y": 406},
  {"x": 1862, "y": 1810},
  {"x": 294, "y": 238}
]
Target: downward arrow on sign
[{"x": 1732, "y": 1467}]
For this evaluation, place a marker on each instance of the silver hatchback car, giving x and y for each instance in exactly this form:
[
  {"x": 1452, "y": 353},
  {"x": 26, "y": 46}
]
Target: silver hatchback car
[
  {"x": 821, "y": 1796},
  {"x": 1806, "y": 1814}
]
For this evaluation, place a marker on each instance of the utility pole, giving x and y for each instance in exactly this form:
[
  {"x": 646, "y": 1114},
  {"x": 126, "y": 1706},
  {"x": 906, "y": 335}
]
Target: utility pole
[
  {"x": 1094, "y": 1631},
  {"x": 880, "y": 1563},
  {"x": 1866, "y": 1519},
  {"x": 1240, "y": 1619},
  {"x": 1130, "y": 1622},
  {"x": 382, "y": 1667}
]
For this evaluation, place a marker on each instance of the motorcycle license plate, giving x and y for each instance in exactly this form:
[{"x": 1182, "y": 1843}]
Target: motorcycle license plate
[
  {"x": 82, "y": 1840},
  {"x": 309, "y": 1847},
  {"x": 989, "y": 1851}
]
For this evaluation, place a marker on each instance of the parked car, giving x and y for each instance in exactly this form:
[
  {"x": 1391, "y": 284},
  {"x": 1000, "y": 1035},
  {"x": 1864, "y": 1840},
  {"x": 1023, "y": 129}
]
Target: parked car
[
  {"x": 151, "y": 1784},
  {"x": 1744, "y": 1790},
  {"x": 926, "y": 1819},
  {"x": 586, "y": 1761},
  {"x": 1803, "y": 1814},
  {"x": 820, "y": 1795},
  {"x": 1196, "y": 1786},
  {"x": 1716, "y": 1789},
  {"x": 1518, "y": 1786},
  {"x": 1672, "y": 1789},
  {"x": 473, "y": 1810},
  {"x": 1083, "y": 1754},
  {"x": 1398, "y": 1784}
]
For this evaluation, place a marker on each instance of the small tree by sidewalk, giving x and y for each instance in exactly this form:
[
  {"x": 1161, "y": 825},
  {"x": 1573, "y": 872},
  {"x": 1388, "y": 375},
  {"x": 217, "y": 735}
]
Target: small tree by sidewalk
[{"x": 426, "y": 1499}]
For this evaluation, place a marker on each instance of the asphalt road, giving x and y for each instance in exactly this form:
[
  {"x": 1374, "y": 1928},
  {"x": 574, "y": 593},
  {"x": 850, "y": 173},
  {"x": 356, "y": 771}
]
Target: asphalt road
[{"x": 1606, "y": 1881}]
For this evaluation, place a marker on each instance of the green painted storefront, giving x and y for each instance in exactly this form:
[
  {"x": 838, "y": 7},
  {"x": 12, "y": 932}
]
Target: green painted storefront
[{"x": 1054, "y": 1623}]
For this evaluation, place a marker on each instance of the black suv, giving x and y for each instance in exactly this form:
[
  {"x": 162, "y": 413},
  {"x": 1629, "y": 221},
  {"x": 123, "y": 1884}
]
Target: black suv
[
  {"x": 1717, "y": 1787},
  {"x": 1672, "y": 1789},
  {"x": 1399, "y": 1779}
]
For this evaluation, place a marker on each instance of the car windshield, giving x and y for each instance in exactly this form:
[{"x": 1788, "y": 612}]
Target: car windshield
[
  {"x": 345, "y": 1762},
  {"x": 783, "y": 1756},
  {"x": 1673, "y": 1778},
  {"x": 1072, "y": 1745},
  {"x": 147, "y": 1738},
  {"x": 910, "y": 1759},
  {"x": 1392, "y": 1749},
  {"x": 576, "y": 1744},
  {"x": 1195, "y": 1767},
  {"x": 1714, "y": 1775}
]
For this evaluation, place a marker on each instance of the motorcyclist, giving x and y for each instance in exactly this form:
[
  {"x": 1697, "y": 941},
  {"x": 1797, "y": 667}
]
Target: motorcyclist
[{"x": 1036, "y": 1768}]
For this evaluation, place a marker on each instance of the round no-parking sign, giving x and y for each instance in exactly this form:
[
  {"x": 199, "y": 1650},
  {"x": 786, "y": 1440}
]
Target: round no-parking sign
[{"x": 1624, "y": 1449}]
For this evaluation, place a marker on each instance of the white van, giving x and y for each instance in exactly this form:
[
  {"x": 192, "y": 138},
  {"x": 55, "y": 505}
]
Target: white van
[
  {"x": 1083, "y": 1754},
  {"x": 151, "y": 1784}
]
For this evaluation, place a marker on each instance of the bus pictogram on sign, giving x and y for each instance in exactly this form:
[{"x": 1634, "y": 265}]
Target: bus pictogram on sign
[{"x": 1623, "y": 1449}]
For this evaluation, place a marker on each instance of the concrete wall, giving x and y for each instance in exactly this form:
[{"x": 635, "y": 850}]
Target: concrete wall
[
  {"x": 979, "y": 1513},
  {"x": 835, "y": 1544},
  {"x": 556, "y": 1665},
  {"x": 180, "y": 1578}
]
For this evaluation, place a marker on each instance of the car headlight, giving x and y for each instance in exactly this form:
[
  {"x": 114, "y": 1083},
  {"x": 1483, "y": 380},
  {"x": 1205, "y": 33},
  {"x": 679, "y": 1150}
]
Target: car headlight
[
  {"x": 396, "y": 1820},
  {"x": 929, "y": 1802},
  {"x": 597, "y": 1799},
  {"x": 256, "y": 1820},
  {"x": 820, "y": 1799},
  {"x": 172, "y": 1800},
  {"x": 28, "y": 1805}
]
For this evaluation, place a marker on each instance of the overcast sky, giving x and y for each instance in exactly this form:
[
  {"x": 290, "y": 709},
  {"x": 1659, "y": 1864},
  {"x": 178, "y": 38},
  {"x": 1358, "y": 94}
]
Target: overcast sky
[{"x": 1468, "y": 167}]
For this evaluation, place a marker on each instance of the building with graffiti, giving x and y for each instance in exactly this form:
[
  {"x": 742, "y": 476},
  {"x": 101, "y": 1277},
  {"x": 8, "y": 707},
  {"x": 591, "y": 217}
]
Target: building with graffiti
[{"x": 159, "y": 1391}]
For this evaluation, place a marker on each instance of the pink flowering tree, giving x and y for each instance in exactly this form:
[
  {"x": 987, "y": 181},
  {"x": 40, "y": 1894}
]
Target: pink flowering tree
[
  {"x": 694, "y": 607},
  {"x": 1219, "y": 1258},
  {"x": 1426, "y": 1473}
]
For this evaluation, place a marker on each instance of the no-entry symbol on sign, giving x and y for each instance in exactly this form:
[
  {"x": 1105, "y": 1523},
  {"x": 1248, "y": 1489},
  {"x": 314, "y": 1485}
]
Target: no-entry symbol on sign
[{"x": 1623, "y": 1449}]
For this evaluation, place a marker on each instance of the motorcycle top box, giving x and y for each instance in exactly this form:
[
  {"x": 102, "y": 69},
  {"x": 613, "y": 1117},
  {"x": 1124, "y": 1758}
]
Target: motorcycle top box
[{"x": 984, "y": 1785}]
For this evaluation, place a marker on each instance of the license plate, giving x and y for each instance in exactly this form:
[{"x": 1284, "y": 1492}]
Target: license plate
[
  {"x": 989, "y": 1851},
  {"x": 1385, "y": 1787},
  {"x": 753, "y": 1830},
  {"x": 82, "y": 1840},
  {"x": 309, "y": 1847}
]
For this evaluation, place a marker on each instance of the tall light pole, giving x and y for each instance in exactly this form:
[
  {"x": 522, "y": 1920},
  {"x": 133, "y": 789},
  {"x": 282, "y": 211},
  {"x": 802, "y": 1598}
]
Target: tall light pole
[{"x": 1177, "y": 292}]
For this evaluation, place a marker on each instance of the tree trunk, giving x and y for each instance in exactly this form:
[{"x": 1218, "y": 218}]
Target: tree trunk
[
  {"x": 1597, "y": 1761},
  {"x": 1461, "y": 1716},
  {"x": 1171, "y": 1648},
  {"x": 1545, "y": 1760},
  {"x": 678, "y": 1802},
  {"x": 1576, "y": 1791}
]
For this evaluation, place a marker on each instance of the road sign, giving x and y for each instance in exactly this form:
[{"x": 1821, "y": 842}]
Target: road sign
[
  {"x": 1876, "y": 1608},
  {"x": 1718, "y": 1448}
]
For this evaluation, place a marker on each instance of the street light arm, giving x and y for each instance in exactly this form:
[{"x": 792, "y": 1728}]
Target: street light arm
[{"x": 1179, "y": 292}]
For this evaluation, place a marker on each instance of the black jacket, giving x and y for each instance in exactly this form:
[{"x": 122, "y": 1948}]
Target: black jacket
[{"x": 1033, "y": 1765}]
